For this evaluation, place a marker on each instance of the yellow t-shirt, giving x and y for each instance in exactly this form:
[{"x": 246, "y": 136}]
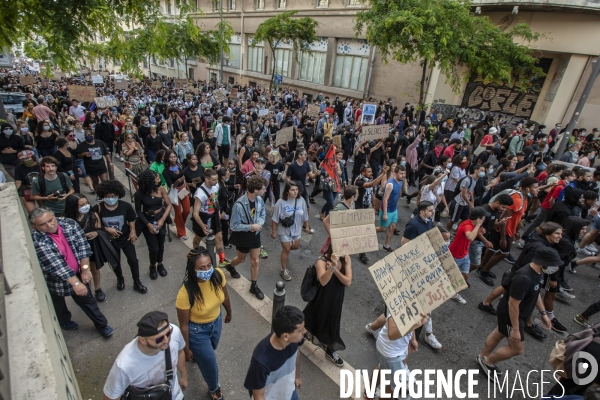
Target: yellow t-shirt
[{"x": 210, "y": 310}]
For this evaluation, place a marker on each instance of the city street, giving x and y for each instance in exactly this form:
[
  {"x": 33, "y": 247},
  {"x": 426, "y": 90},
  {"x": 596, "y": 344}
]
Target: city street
[{"x": 460, "y": 328}]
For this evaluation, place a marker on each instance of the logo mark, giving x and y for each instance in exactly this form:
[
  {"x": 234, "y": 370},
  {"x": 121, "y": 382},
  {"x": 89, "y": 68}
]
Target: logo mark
[{"x": 580, "y": 368}]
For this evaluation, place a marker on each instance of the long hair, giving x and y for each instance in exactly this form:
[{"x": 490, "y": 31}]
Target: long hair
[
  {"x": 329, "y": 252},
  {"x": 146, "y": 180},
  {"x": 72, "y": 206},
  {"x": 216, "y": 282}
]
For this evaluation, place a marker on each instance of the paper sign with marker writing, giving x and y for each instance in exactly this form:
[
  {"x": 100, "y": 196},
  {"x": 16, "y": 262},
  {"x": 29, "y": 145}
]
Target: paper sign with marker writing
[
  {"x": 313, "y": 110},
  {"x": 375, "y": 132},
  {"x": 82, "y": 93},
  {"x": 97, "y": 79},
  {"x": 284, "y": 136},
  {"x": 337, "y": 140},
  {"x": 219, "y": 95},
  {"x": 122, "y": 85},
  {"x": 353, "y": 231},
  {"x": 180, "y": 83},
  {"x": 27, "y": 80},
  {"x": 417, "y": 278},
  {"x": 262, "y": 112}
]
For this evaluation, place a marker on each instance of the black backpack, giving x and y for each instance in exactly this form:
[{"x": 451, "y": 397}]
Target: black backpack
[
  {"x": 457, "y": 188},
  {"x": 61, "y": 177}
]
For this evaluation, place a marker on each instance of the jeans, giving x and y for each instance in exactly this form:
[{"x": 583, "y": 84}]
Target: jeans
[
  {"x": 329, "y": 197},
  {"x": 156, "y": 244},
  {"x": 204, "y": 339},
  {"x": 81, "y": 166},
  {"x": 151, "y": 156},
  {"x": 129, "y": 250},
  {"x": 394, "y": 364},
  {"x": 475, "y": 252}
]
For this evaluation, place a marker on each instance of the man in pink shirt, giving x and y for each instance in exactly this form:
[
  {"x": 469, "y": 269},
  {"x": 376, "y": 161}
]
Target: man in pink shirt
[{"x": 41, "y": 111}]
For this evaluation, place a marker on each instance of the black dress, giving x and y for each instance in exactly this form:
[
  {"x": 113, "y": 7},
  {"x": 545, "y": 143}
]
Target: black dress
[
  {"x": 67, "y": 165},
  {"x": 323, "y": 315}
]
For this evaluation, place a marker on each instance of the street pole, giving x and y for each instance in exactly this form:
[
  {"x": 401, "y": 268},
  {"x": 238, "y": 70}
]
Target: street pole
[
  {"x": 221, "y": 41},
  {"x": 577, "y": 113}
]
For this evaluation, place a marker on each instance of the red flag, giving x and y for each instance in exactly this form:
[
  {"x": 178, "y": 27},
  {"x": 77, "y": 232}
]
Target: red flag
[{"x": 330, "y": 165}]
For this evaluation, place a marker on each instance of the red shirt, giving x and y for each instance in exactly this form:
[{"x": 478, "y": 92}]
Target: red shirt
[
  {"x": 487, "y": 139},
  {"x": 553, "y": 194},
  {"x": 519, "y": 207},
  {"x": 459, "y": 248},
  {"x": 449, "y": 152},
  {"x": 542, "y": 176}
]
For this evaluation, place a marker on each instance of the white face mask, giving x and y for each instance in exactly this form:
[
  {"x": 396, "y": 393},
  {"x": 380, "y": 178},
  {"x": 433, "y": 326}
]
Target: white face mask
[
  {"x": 447, "y": 243},
  {"x": 85, "y": 209},
  {"x": 549, "y": 270}
]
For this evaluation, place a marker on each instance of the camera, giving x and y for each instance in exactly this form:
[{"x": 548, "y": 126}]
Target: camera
[{"x": 59, "y": 193}]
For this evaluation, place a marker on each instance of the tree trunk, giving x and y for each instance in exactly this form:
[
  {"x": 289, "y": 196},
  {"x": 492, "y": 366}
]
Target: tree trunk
[
  {"x": 187, "y": 72},
  {"x": 274, "y": 65},
  {"x": 422, "y": 88},
  {"x": 149, "y": 66}
]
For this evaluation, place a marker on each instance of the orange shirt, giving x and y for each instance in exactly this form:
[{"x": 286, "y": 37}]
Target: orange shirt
[{"x": 519, "y": 207}]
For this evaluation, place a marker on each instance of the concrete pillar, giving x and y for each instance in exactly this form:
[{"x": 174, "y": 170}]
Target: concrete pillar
[{"x": 330, "y": 61}]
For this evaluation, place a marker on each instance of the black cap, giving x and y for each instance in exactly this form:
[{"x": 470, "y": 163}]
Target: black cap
[
  {"x": 148, "y": 325},
  {"x": 547, "y": 257},
  {"x": 261, "y": 160},
  {"x": 479, "y": 212}
]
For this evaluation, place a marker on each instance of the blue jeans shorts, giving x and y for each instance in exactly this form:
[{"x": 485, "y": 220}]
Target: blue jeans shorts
[
  {"x": 475, "y": 252},
  {"x": 464, "y": 264}
]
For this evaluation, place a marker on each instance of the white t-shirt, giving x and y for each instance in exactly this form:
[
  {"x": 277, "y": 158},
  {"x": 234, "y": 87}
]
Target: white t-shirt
[
  {"x": 133, "y": 367},
  {"x": 392, "y": 348},
  {"x": 77, "y": 112},
  {"x": 208, "y": 205},
  {"x": 455, "y": 173},
  {"x": 428, "y": 195}
]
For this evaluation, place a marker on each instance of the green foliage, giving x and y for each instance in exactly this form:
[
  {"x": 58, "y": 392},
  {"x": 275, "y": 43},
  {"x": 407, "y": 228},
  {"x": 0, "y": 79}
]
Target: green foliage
[
  {"x": 284, "y": 29},
  {"x": 445, "y": 33}
]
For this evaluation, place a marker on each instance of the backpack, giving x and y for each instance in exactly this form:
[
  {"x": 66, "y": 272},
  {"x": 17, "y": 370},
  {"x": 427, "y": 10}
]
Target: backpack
[
  {"x": 510, "y": 192},
  {"x": 310, "y": 284},
  {"x": 63, "y": 183},
  {"x": 561, "y": 356},
  {"x": 457, "y": 188},
  {"x": 561, "y": 196}
]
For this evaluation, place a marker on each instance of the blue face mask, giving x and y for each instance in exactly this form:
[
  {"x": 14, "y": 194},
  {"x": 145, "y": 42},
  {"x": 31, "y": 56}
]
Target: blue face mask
[
  {"x": 403, "y": 163},
  {"x": 481, "y": 174},
  {"x": 528, "y": 194},
  {"x": 111, "y": 201},
  {"x": 205, "y": 275}
]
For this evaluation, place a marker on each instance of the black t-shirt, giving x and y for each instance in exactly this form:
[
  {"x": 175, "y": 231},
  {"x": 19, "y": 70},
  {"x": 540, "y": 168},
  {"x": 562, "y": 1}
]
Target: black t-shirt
[
  {"x": 252, "y": 208},
  {"x": 524, "y": 286},
  {"x": 298, "y": 172},
  {"x": 194, "y": 177},
  {"x": 26, "y": 175},
  {"x": 153, "y": 143},
  {"x": 94, "y": 164},
  {"x": 274, "y": 169},
  {"x": 117, "y": 218},
  {"x": 489, "y": 222},
  {"x": 172, "y": 175},
  {"x": 415, "y": 227},
  {"x": 364, "y": 194},
  {"x": 360, "y": 159}
]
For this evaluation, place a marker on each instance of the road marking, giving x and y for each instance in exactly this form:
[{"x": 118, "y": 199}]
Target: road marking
[{"x": 264, "y": 307}]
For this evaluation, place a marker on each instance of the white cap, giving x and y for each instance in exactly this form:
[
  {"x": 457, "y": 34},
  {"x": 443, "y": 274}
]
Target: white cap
[{"x": 492, "y": 130}]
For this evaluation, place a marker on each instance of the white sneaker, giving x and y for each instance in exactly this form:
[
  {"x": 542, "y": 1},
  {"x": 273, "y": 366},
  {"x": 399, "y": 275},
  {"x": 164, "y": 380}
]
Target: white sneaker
[
  {"x": 454, "y": 227},
  {"x": 371, "y": 331},
  {"x": 521, "y": 244},
  {"x": 432, "y": 341},
  {"x": 122, "y": 160},
  {"x": 591, "y": 248},
  {"x": 564, "y": 296},
  {"x": 458, "y": 298},
  {"x": 585, "y": 251}
]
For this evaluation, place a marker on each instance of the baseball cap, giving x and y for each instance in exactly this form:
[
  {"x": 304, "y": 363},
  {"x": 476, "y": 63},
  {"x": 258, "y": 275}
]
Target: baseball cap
[
  {"x": 25, "y": 154},
  {"x": 547, "y": 257},
  {"x": 261, "y": 160},
  {"x": 148, "y": 325}
]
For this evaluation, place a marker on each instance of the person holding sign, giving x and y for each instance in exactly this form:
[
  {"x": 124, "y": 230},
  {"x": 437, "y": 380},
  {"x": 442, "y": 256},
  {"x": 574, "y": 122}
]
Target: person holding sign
[
  {"x": 388, "y": 214},
  {"x": 514, "y": 309},
  {"x": 323, "y": 314}
]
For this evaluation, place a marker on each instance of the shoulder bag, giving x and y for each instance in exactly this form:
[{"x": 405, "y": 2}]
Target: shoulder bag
[
  {"x": 288, "y": 222},
  {"x": 162, "y": 391}
]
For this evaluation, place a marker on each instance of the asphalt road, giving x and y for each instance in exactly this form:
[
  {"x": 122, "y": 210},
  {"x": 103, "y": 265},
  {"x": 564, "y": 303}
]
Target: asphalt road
[{"x": 461, "y": 329}]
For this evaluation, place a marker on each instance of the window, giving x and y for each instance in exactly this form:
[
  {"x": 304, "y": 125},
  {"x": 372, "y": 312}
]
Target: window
[
  {"x": 312, "y": 67},
  {"x": 233, "y": 59},
  {"x": 172, "y": 63},
  {"x": 168, "y": 7},
  {"x": 354, "y": 3},
  {"x": 350, "y": 71},
  {"x": 283, "y": 59},
  {"x": 145, "y": 63},
  {"x": 231, "y": 5},
  {"x": 154, "y": 60},
  {"x": 255, "y": 58},
  {"x": 260, "y": 4},
  {"x": 280, "y": 3},
  {"x": 322, "y": 3}
]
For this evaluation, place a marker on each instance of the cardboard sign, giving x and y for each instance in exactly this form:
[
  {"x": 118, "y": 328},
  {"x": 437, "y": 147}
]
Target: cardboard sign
[
  {"x": 219, "y": 95},
  {"x": 417, "y": 278},
  {"x": 262, "y": 112},
  {"x": 234, "y": 93},
  {"x": 189, "y": 97},
  {"x": 27, "y": 80},
  {"x": 353, "y": 231},
  {"x": 313, "y": 110},
  {"x": 121, "y": 85},
  {"x": 337, "y": 140},
  {"x": 105, "y": 102},
  {"x": 156, "y": 84},
  {"x": 58, "y": 76},
  {"x": 180, "y": 83},
  {"x": 368, "y": 113},
  {"x": 375, "y": 132},
  {"x": 284, "y": 136},
  {"x": 97, "y": 79},
  {"x": 104, "y": 73},
  {"x": 82, "y": 93}
]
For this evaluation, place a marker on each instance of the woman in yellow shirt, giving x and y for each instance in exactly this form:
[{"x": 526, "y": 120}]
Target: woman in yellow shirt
[{"x": 199, "y": 312}]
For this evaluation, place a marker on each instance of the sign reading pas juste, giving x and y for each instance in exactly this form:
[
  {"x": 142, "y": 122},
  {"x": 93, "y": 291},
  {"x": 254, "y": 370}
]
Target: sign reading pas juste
[{"x": 417, "y": 278}]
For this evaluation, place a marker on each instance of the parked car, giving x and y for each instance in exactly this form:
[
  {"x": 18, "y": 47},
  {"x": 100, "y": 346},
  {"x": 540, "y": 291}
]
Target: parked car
[{"x": 13, "y": 102}]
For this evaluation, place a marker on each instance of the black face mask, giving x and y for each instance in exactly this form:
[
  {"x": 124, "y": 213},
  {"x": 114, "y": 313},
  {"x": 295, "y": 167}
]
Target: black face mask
[{"x": 156, "y": 186}]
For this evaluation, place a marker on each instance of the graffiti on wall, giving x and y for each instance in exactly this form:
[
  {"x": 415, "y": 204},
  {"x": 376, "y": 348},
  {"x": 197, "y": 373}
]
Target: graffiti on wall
[{"x": 444, "y": 111}]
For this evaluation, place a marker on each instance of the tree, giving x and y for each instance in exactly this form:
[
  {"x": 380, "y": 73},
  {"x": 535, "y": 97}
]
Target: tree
[
  {"x": 446, "y": 34},
  {"x": 283, "y": 29}
]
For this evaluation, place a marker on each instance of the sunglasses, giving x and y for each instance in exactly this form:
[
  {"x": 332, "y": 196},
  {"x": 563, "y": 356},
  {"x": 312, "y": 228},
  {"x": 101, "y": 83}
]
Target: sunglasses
[{"x": 159, "y": 340}]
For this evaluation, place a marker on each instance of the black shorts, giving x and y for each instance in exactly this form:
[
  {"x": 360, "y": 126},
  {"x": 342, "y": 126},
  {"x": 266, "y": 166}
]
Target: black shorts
[
  {"x": 458, "y": 212},
  {"x": 505, "y": 327},
  {"x": 494, "y": 237},
  {"x": 253, "y": 244},
  {"x": 224, "y": 150},
  {"x": 547, "y": 286},
  {"x": 212, "y": 221}
]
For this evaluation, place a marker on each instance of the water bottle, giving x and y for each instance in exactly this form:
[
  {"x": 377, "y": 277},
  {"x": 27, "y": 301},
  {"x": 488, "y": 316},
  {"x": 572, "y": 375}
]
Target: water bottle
[{"x": 155, "y": 225}]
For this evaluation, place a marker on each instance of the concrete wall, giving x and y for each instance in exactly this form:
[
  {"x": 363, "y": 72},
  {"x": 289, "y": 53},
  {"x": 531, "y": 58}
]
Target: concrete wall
[{"x": 39, "y": 363}]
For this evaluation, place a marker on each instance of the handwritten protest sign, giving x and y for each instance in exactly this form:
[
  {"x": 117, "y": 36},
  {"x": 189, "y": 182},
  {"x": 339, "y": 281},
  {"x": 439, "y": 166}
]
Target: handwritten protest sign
[
  {"x": 313, "y": 110},
  {"x": 97, "y": 79},
  {"x": 353, "y": 231},
  {"x": 263, "y": 111},
  {"x": 375, "y": 132},
  {"x": 234, "y": 93},
  {"x": 368, "y": 113},
  {"x": 27, "y": 80},
  {"x": 284, "y": 136},
  {"x": 82, "y": 93},
  {"x": 337, "y": 140},
  {"x": 104, "y": 73},
  {"x": 121, "y": 85},
  {"x": 417, "y": 278},
  {"x": 181, "y": 83},
  {"x": 105, "y": 102},
  {"x": 156, "y": 84},
  {"x": 58, "y": 76},
  {"x": 219, "y": 95}
]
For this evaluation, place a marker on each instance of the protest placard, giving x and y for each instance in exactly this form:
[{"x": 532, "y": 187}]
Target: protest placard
[
  {"x": 105, "y": 102},
  {"x": 263, "y": 111},
  {"x": 284, "y": 136},
  {"x": 353, "y": 231},
  {"x": 27, "y": 80},
  {"x": 156, "y": 84},
  {"x": 181, "y": 83},
  {"x": 104, "y": 73},
  {"x": 58, "y": 76},
  {"x": 82, "y": 93},
  {"x": 219, "y": 95},
  {"x": 121, "y": 85},
  {"x": 313, "y": 110},
  {"x": 337, "y": 140},
  {"x": 374, "y": 132},
  {"x": 417, "y": 278},
  {"x": 368, "y": 113},
  {"x": 97, "y": 79},
  {"x": 234, "y": 93}
]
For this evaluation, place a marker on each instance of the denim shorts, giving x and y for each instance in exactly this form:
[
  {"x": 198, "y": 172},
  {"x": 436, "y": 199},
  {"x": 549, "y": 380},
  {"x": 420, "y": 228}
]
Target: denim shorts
[
  {"x": 392, "y": 218},
  {"x": 394, "y": 364},
  {"x": 475, "y": 252},
  {"x": 288, "y": 238},
  {"x": 464, "y": 264},
  {"x": 596, "y": 223}
]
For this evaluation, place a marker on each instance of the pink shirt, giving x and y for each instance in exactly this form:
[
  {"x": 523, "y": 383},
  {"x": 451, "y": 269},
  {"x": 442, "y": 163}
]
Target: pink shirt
[
  {"x": 64, "y": 248},
  {"x": 42, "y": 113}
]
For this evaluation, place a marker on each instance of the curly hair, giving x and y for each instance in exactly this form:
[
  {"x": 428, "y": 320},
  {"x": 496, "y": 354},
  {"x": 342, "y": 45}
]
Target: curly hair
[
  {"x": 146, "y": 180},
  {"x": 167, "y": 156},
  {"x": 216, "y": 280},
  {"x": 111, "y": 187}
]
